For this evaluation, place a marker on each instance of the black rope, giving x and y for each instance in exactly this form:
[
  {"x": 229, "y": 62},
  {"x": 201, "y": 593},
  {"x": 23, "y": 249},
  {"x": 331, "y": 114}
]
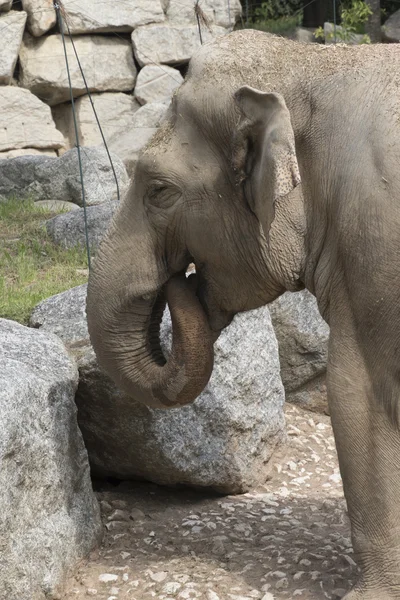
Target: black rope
[
  {"x": 334, "y": 20},
  {"x": 196, "y": 10},
  {"x": 95, "y": 112},
  {"x": 229, "y": 15},
  {"x": 61, "y": 25}
]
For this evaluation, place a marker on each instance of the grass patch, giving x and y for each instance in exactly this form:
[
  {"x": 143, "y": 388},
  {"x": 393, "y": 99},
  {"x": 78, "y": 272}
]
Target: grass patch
[
  {"x": 280, "y": 26},
  {"x": 32, "y": 267}
]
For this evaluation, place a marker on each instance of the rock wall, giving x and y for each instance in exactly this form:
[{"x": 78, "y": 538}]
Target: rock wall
[{"x": 132, "y": 55}]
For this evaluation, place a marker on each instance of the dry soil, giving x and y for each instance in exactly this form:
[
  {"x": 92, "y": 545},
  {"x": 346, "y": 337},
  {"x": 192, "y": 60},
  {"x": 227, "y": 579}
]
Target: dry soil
[{"x": 289, "y": 538}]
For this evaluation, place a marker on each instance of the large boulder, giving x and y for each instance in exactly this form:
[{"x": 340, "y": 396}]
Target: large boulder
[
  {"x": 150, "y": 115},
  {"x": 303, "y": 348},
  {"x": 93, "y": 16},
  {"x": 60, "y": 179},
  {"x": 342, "y": 36},
  {"x": 106, "y": 61},
  {"x": 41, "y": 16},
  {"x": 25, "y": 121},
  {"x": 27, "y": 152},
  {"x": 218, "y": 12},
  {"x": 114, "y": 110},
  {"x": 223, "y": 441},
  {"x": 145, "y": 123},
  {"x": 169, "y": 44},
  {"x": 19, "y": 173},
  {"x": 5, "y": 5},
  {"x": 12, "y": 25},
  {"x": 49, "y": 516},
  {"x": 157, "y": 83},
  {"x": 69, "y": 230},
  {"x": 391, "y": 28},
  {"x": 45, "y": 178}
]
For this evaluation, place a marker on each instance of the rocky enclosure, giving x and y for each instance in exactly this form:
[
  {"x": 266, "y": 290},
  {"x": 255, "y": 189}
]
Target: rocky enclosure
[
  {"x": 134, "y": 59},
  {"x": 132, "y": 55}
]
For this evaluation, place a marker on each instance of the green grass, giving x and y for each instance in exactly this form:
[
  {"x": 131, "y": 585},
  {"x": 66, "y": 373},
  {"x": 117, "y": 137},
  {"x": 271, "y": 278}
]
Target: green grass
[
  {"x": 280, "y": 26},
  {"x": 32, "y": 267}
]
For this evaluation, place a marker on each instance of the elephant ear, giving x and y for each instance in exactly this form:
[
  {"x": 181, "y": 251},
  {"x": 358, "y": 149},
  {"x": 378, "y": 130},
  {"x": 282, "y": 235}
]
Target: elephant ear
[{"x": 264, "y": 154}]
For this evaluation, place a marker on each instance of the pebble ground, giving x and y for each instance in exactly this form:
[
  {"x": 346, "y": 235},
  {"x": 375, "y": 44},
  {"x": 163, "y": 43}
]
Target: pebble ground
[{"x": 288, "y": 539}]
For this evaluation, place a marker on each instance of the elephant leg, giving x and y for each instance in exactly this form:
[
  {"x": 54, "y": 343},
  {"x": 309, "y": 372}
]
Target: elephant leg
[{"x": 368, "y": 445}]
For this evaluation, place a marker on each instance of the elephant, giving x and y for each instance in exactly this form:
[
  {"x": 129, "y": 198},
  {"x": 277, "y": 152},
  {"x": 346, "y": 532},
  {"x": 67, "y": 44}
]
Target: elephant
[{"x": 276, "y": 169}]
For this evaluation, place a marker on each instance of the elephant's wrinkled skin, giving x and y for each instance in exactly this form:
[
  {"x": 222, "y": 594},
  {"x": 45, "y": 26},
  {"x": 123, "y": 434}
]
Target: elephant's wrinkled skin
[{"x": 292, "y": 182}]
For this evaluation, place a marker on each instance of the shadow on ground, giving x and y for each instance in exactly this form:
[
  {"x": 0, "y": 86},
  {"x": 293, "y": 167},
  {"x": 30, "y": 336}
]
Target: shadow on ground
[{"x": 289, "y": 538}]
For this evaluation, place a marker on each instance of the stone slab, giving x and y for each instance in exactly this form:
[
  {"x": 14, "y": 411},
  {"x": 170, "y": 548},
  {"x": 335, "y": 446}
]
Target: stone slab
[
  {"x": 12, "y": 25},
  {"x": 41, "y": 16},
  {"x": 102, "y": 17},
  {"x": 169, "y": 44},
  {"x": 157, "y": 83},
  {"x": 106, "y": 61}
]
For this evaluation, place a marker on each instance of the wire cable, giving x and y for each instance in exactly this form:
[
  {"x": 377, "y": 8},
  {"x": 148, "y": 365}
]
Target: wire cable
[
  {"x": 95, "y": 113},
  {"x": 61, "y": 26}
]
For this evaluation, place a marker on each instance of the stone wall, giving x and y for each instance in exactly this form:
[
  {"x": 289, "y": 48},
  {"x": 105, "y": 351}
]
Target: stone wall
[{"x": 132, "y": 53}]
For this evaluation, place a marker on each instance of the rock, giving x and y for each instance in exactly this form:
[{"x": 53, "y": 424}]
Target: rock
[
  {"x": 129, "y": 145},
  {"x": 223, "y": 441},
  {"x": 150, "y": 115},
  {"x": 56, "y": 205},
  {"x": 171, "y": 588},
  {"x": 391, "y": 28},
  {"x": 352, "y": 39},
  {"x": 218, "y": 12},
  {"x": 5, "y": 5},
  {"x": 106, "y": 61},
  {"x": 137, "y": 515},
  {"x": 69, "y": 230},
  {"x": 103, "y": 17},
  {"x": 303, "y": 35},
  {"x": 169, "y": 44},
  {"x": 52, "y": 179},
  {"x": 114, "y": 110},
  {"x": 145, "y": 123},
  {"x": 41, "y": 16},
  {"x": 12, "y": 25},
  {"x": 60, "y": 179},
  {"x": 64, "y": 315},
  {"x": 159, "y": 577},
  {"x": 27, "y": 152},
  {"x": 107, "y": 578},
  {"x": 50, "y": 519},
  {"x": 25, "y": 121},
  {"x": 157, "y": 83},
  {"x": 17, "y": 174},
  {"x": 303, "y": 348},
  {"x": 312, "y": 396}
]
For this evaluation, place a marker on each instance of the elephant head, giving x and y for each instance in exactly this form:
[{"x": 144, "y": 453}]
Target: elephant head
[{"x": 204, "y": 191}]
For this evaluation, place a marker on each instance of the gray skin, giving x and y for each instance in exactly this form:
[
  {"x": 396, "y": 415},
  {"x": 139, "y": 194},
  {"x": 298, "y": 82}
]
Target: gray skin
[{"x": 278, "y": 168}]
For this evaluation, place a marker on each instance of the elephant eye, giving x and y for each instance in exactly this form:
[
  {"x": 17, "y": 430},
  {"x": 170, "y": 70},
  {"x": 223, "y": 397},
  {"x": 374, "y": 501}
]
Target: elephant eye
[
  {"x": 162, "y": 195},
  {"x": 156, "y": 190}
]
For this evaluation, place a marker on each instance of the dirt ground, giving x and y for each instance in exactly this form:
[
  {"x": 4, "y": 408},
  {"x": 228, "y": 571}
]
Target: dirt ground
[{"x": 289, "y": 538}]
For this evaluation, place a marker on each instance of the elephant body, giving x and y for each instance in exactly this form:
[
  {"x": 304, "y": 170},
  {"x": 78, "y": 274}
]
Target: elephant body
[{"x": 278, "y": 168}]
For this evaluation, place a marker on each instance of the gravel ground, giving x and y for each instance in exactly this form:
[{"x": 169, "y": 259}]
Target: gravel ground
[{"x": 288, "y": 539}]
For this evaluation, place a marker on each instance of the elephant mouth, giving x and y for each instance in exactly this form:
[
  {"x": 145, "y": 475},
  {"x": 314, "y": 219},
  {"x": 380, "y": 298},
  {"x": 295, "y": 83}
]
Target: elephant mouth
[{"x": 218, "y": 319}]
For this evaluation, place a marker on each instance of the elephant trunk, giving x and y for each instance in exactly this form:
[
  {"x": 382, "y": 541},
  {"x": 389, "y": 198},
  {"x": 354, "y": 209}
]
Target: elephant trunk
[{"x": 127, "y": 292}]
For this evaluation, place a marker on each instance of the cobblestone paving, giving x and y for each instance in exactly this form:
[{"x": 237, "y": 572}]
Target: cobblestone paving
[{"x": 288, "y": 539}]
